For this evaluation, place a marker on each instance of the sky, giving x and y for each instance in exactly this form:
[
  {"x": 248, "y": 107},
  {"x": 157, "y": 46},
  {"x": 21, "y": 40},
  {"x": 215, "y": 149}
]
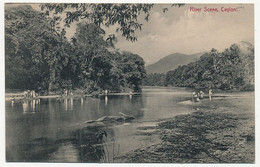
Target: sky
[{"x": 182, "y": 30}]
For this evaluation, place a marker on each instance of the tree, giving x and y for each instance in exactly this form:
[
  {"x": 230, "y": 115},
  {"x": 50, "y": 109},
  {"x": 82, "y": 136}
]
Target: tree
[
  {"x": 37, "y": 50},
  {"x": 133, "y": 70},
  {"x": 90, "y": 55},
  {"x": 154, "y": 79},
  {"x": 125, "y": 16},
  {"x": 226, "y": 70},
  {"x": 123, "y": 72},
  {"x": 40, "y": 57}
]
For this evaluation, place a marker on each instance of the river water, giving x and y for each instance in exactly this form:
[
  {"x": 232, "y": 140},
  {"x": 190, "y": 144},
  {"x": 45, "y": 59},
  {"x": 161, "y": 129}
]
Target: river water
[{"x": 51, "y": 129}]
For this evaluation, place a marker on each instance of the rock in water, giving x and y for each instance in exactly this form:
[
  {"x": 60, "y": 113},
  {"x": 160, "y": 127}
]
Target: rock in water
[
  {"x": 112, "y": 119},
  {"x": 129, "y": 118}
]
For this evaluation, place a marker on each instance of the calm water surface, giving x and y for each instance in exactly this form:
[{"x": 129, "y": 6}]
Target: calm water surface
[{"x": 49, "y": 130}]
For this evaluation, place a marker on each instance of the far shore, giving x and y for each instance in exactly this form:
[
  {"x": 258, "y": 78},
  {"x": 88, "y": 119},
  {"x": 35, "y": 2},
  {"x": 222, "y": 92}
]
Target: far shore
[{"x": 19, "y": 96}]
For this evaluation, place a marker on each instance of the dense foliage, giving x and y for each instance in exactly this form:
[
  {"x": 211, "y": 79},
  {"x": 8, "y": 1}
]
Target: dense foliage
[
  {"x": 39, "y": 57},
  {"x": 154, "y": 79},
  {"x": 127, "y": 17},
  {"x": 231, "y": 69},
  {"x": 30, "y": 49}
]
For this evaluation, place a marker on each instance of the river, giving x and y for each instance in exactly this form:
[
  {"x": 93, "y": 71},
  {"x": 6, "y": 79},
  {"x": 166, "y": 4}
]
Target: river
[{"x": 49, "y": 130}]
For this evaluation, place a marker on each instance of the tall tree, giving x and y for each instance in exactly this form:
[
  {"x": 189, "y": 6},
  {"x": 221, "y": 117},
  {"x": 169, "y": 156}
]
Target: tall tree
[
  {"x": 90, "y": 54},
  {"x": 37, "y": 49}
]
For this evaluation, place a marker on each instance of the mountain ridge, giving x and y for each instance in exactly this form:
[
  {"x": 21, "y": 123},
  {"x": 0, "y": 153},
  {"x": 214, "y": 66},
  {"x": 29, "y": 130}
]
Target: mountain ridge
[{"x": 171, "y": 62}]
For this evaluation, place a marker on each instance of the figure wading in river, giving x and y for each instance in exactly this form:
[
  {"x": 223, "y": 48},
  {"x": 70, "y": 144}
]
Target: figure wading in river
[{"x": 210, "y": 94}]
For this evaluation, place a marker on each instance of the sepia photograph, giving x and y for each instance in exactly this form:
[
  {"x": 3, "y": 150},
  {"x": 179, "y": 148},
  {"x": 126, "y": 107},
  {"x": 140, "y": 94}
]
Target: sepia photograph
[{"x": 129, "y": 83}]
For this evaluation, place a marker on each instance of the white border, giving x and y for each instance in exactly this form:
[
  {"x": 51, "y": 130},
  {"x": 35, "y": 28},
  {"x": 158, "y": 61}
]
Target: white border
[{"x": 2, "y": 86}]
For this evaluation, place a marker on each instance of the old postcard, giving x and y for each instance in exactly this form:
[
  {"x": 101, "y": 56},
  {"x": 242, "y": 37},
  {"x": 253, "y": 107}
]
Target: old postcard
[{"x": 129, "y": 83}]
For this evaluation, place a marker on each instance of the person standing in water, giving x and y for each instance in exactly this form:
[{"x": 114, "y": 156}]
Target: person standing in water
[{"x": 210, "y": 94}]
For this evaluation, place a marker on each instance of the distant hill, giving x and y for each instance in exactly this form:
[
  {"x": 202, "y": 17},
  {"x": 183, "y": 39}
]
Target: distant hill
[{"x": 171, "y": 62}]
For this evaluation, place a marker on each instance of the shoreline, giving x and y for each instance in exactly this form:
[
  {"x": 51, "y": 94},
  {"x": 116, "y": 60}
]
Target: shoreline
[
  {"x": 226, "y": 94},
  {"x": 218, "y": 131},
  {"x": 20, "y": 97}
]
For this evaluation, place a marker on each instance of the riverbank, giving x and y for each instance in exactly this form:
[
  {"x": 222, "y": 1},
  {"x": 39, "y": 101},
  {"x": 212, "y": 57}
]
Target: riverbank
[
  {"x": 19, "y": 96},
  {"x": 218, "y": 131}
]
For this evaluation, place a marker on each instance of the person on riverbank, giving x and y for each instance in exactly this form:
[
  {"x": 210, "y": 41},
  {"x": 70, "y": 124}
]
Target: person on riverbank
[
  {"x": 37, "y": 95},
  {"x": 201, "y": 94},
  {"x": 29, "y": 94},
  {"x": 210, "y": 94},
  {"x": 195, "y": 97},
  {"x": 25, "y": 94},
  {"x": 65, "y": 93},
  {"x": 33, "y": 94}
]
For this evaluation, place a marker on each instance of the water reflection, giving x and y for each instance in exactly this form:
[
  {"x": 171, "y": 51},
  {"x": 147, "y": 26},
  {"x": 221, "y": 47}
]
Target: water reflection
[
  {"x": 130, "y": 97},
  {"x": 106, "y": 100},
  {"x": 52, "y": 133},
  {"x": 90, "y": 149},
  {"x": 12, "y": 103},
  {"x": 58, "y": 130},
  {"x": 33, "y": 105},
  {"x": 66, "y": 104},
  {"x": 37, "y": 101},
  {"x": 25, "y": 106},
  {"x": 71, "y": 103},
  {"x": 81, "y": 101},
  {"x": 28, "y": 105},
  {"x": 96, "y": 144}
]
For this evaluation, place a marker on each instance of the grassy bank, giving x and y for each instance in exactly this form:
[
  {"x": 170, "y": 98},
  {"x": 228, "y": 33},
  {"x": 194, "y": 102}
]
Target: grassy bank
[{"x": 218, "y": 131}]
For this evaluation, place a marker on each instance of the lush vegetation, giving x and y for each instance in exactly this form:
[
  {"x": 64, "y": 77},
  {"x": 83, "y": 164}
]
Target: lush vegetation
[
  {"x": 38, "y": 56},
  {"x": 232, "y": 69},
  {"x": 154, "y": 79},
  {"x": 228, "y": 70}
]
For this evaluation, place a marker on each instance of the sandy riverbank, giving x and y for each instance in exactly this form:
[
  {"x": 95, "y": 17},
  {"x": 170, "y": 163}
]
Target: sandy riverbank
[{"x": 218, "y": 131}]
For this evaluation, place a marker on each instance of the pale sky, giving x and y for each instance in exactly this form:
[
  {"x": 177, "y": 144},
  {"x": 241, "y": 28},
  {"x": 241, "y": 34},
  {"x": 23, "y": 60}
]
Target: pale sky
[{"x": 184, "y": 31}]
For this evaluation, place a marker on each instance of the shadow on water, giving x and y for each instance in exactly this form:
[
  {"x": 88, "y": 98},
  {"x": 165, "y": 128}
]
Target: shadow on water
[
  {"x": 34, "y": 151},
  {"x": 88, "y": 144},
  {"x": 50, "y": 130},
  {"x": 91, "y": 145},
  {"x": 55, "y": 129}
]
